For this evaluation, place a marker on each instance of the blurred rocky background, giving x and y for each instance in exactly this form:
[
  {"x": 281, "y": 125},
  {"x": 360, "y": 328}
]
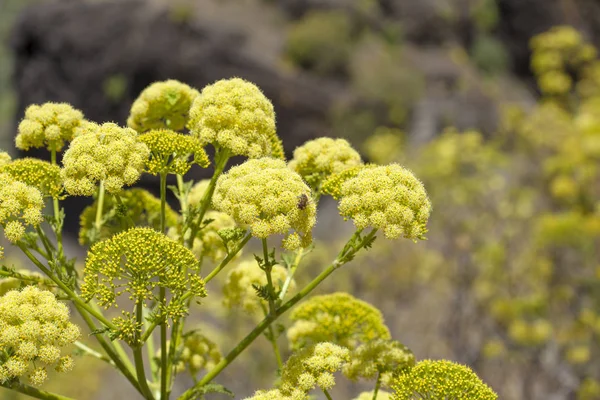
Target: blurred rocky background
[{"x": 401, "y": 69}]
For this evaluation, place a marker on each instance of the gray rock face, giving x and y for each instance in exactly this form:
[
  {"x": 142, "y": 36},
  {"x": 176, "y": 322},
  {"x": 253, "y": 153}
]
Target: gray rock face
[{"x": 75, "y": 51}]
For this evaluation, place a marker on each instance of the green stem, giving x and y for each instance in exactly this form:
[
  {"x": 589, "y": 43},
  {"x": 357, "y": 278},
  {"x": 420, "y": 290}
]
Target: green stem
[
  {"x": 164, "y": 356},
  {"x": 377, "y": 386},
  {"x": 47, "y": 245},
  {"x": 99, "y": 209},
  {"x": 268, "y": 268},
  {"x": 139, "y": 359},
  {"x": 291, "y": 273},
  {"x": 273, "y": 340},
  {"x": 344, "y": 257},
  {"x": 182, "y": 197},
  {"x": 327, "y": 394},
  {"x": 150, "y": 350},
  {"x": 221, "y": 158},
  {"x": 130, "y": 223},
  {"x": 117, "y": 360},
  {"x": 227, "y": 259},
  {"x": 56, "y": 208},
  {"x": 33, "y": 392},
  {"x": 93, "y": 353},
  {"x": 76, "y": 299}
]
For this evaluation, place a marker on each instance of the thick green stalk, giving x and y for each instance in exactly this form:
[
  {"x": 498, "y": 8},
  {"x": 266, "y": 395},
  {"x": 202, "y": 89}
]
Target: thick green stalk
[
  {"x": 34, "y": 392},
  {"x": 76, "y": 299},
  {"x": 99, "y": 209},
  {"x": 120, "y": 364},
  {"x": 327, "y": 394},
  {"x": 268, "y": 268},
  {"x": 273, "y": 339},
  {"x": 377, "y": 386},
  {"x": 164, "y": 356},
  {"x": 344, "y": 257},
  {"x": 56, "y": 208},
  {"x": 139, "y": 359},
  {"x": 182, "y": 199}
]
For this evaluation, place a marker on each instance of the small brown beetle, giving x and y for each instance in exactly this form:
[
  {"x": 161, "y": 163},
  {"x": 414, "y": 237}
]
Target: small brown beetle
[{"x": 302, "y": 201}]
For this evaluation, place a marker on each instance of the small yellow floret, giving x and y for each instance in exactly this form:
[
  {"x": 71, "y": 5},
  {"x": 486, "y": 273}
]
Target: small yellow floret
[
  {"x": 170, "y": 152},
  {"x": 37, "y": 173},
  {"x": 48, "y": 125}
]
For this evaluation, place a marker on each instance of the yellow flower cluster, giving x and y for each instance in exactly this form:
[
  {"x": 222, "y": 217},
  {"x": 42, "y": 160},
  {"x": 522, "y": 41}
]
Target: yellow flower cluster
[
  {"x": 269, "y": 198},
  {"x": 170, "y": 152},
  {"x": 145, "y": 259},
  {"x": 198, "y": 353},
  {"x": 107, "y": 153},
  {"x": 5, "y": 158},
  {"x": 37, "y": 173},
  {"x": 313, "y": 366},
  {"x": 239, "y": 291},
  {"x": 332, "y": 185},
  {"x": 338, "y": 318},
  {"x": 162, "y": 105},
  {"x": 208, "y": 243},
  {"x": 386, "y": 357},
  {"x": 441, "y": 380},
  {"x": 34, "y": 327},
  {"x": 381, "y": 395},
  {"x": 317, "y": 159},
  {"x": 389, "y": 198},
  {"x": 235, "y": 115},
  {"x": 276, "y": 394},
  {"x": 20, "y": 205},
  {"x": 140, "y": 206},
  {"x": 48, "y": 125}
]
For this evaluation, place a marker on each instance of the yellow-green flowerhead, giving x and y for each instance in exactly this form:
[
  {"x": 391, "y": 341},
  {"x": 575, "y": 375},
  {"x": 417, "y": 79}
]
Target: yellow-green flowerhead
[
  {"x": 162, "y": 105},
  {"x": 276, "y": 394},
  {"x": 389, "y": 198},
  {"x": 269, "y": 198},
  {"x": 338, "y": 318},
  {"x": 386, "y": 357},
  {"x": 144, "y": 260},
  {"x": 234, "y": 115},
  {"x": 317, "y": 159},
  {"x": 441, "y": 380},
  {"x": 34, "y": 329},
  {"x": 5, "y": 158},
  {"x": 239, "y": 291},
  {"x": 141, "y": 206},
  {"x": 20, "y": 205},
  {"x": 170, "y": 152},
  {"x": 381, "y": 395},
  {"x": 37, "y": 173},
  {"x": 48, "y": 125},
  {"x": 313, "y": 366},
  {"x": 198, "y": 353},
  {"x": 108, "y": 153}
]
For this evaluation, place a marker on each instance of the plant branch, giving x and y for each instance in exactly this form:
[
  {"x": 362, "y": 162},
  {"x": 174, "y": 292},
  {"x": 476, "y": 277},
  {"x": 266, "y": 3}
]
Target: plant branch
[{"x": 33, "y": 392}]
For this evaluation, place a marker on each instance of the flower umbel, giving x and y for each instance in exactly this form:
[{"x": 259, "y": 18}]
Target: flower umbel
[
  {"x": 389, "y": 198},
  {"x": 48, "y": 125},
  {"x": 264, "y": 195},
  {"x": 34, "y": 327},
  {"x": 37, "y": 173},
  {"x": 338, "y": 318},
  {"x": 441, "y": 380},
  {"x": 234, "y": 114},
  {"x": 162, "y": 105},
  {"x": 107, "y": 153},
  {"x": 20, "y": 205},
  {"x": 170, "y": 152},
  {"x": 317, "y": 159},
  {"x": 145, "y": 259}
]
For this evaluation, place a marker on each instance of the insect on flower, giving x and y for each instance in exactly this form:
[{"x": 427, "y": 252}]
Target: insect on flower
[{"x": 302, "y": 201}]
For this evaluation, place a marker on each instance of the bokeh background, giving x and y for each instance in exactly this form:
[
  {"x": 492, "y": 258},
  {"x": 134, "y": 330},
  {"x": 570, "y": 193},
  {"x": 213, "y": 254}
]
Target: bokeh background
[{"x": 503, "y": 129}]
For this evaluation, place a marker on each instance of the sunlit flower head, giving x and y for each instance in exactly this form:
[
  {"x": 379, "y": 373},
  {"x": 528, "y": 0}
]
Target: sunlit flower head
[{"x": 48, "y": 125}]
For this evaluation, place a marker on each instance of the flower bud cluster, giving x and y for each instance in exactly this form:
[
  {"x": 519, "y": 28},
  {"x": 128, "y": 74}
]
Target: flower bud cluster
[
  {"x": 34, "y": 327},
  {"x": 144, "y": 259},
  {"x": 107, "y": 153},
  {"x": 317, "y": 159},
  {"x": 239, "y": 288},
  {"x": 338, "y": 318},
  {"x": 313, "y": 366},
  {"x": 5, "y": 158},
  {"x": 275, "y": 394},
  {"x": 235, "y": 115},
  {"x": 48, "y": 125},
  {"x": 269, "y": 198},
  {"x": 170, "y": 152},
  {"x": 389, "y": 198},
  {"x": 441, "y": 379},
  {"x": 162, "y": 105},
  {"x": 37, "y": 173},
  {"x": 199, "y": 353},
  {"x": 20, "y": 205},
  {"x": 386, "y": 357},
  {"x": 141, "y": 206}
]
